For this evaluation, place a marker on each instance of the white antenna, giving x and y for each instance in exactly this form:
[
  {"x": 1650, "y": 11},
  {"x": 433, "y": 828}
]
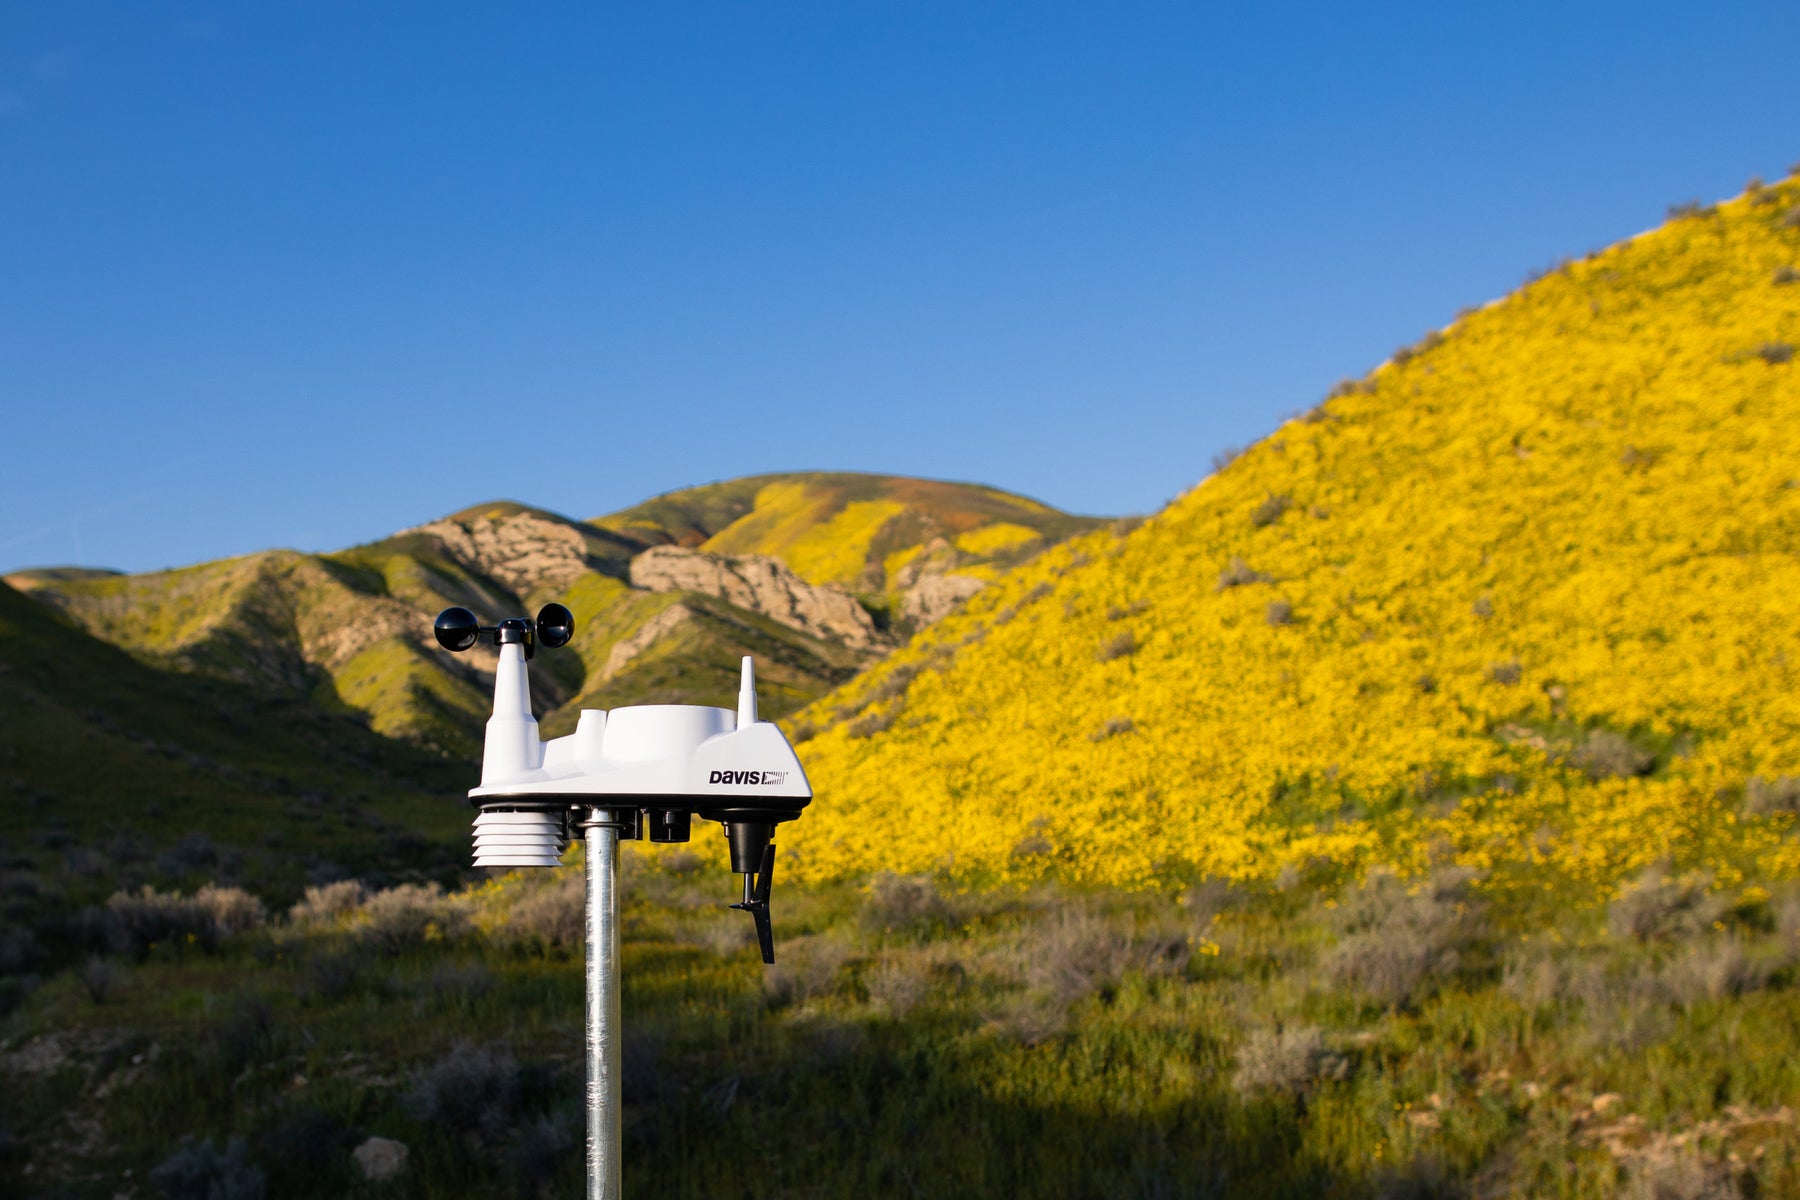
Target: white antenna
[
  {"x": 654, "y": 766},
  {"x": 747, "y": 694}
]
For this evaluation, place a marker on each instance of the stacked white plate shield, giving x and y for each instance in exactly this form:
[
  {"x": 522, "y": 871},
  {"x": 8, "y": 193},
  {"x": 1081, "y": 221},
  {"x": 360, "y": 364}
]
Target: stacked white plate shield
[{"x": 520, "y": 839}]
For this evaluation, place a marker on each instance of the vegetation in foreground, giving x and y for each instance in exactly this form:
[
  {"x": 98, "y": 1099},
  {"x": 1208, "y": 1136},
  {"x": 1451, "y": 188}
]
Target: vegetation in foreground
[{"x": 1309, "y": 1038}]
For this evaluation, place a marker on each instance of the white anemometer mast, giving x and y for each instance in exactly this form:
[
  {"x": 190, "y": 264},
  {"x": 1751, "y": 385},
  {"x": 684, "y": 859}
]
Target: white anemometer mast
[{"x": 650, "y": 767}]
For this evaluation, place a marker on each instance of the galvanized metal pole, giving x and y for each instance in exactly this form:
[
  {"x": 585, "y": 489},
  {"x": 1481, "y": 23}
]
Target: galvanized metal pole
[{"x": 603, "y": 1093}]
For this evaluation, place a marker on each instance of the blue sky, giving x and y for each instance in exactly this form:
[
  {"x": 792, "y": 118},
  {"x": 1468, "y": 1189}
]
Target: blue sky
[{"x": 303, "y": 274}]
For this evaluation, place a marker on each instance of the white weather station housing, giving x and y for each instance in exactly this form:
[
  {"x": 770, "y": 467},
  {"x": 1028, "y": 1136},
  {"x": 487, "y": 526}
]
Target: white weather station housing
[{"x": 647, "y": 769}]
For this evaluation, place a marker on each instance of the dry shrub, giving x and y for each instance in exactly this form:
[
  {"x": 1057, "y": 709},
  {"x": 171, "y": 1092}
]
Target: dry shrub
[
  {"x": 1775, "y": 352},
  {"x": 1238, "y": 574},
  {"x": 552, "y": 912},
  {"x": 1605, "y": 754},
  {"x": 229, "y": 910},
  {"x": 1119, "y": 645},
  {"x": 1763, "y": 797},
  {"x": 1712, "y": 970},
  {"x": 1398, "y": 939},
  {"x": 148, "y": 917},
  {"x": 329, "y": 905},
  {"x": 468, "y": 1091},
  {"x": 905, "y": 904},
  {"x": 870, "y": 724},
  {"x": 721, "y": 936},
  {"x": 1506, "y": 674},
  {"x": 1536, "y": 979},
  {"x": 897, "y": 984},
  {"x": 1682, "y": 1176},
  {"x": 1656, "y": 907},
  {"x": 199, "y": 1171},
  {"x": 893, "y": 684},
  {"x": 1113, "y": 727},
  {"x": 1078, "y": 952},
  {"x": 804, "y": 967},
  {"x": 410, "y": 915},
  {"x": 1279, "y": 613},
  {"x": 1288, "y": 1060},
  {"x": 1270, "y": 510},
  {"x": 98, "y": 977}
]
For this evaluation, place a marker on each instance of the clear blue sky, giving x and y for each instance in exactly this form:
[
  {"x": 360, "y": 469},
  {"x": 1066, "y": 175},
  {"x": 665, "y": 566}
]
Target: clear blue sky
[{"x": 302, "y": 274}]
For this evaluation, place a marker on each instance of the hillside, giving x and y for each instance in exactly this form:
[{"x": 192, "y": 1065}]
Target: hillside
[
  {"x": 664, "y": 614},
  {"x": 914, "y": 547},
  {"x": 108, "y": 765},
  {"x": 1524, "y": 597}
]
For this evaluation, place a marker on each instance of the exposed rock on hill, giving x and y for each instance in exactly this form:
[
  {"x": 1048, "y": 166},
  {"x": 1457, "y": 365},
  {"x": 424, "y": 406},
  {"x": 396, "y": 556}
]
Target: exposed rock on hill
[
  {"x": 759, "y": 584},
  {"x": 351, "y": 630},
  {"x": 523, "y": 552}
]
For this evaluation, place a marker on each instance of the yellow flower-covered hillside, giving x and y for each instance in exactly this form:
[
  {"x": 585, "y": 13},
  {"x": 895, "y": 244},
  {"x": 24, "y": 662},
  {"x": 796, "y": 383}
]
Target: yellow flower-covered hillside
[{"x": 1525, "y": 597}]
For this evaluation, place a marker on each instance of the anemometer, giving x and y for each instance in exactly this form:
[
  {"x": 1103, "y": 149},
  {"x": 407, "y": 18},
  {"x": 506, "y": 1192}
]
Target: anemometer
[{"x": 642, "y": 770}]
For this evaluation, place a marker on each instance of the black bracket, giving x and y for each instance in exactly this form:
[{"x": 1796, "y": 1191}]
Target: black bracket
[{"x": 756, "y": 902}]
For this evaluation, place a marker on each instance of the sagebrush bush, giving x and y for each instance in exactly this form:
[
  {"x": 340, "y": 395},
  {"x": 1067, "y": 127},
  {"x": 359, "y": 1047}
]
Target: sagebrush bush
[
  {"x": 1287, "y": 1060},
  {"x": 1606, "y": 754},
  {"x": 551, "y": 913},
  {"x": 1074, "y": 952},
  {"x": 148, "y": 917},
  {"x": 409, "y": 915},
  {"x": 198, "y": 1170},
  {"x": 898, "y": 983},
  {"x": 879, "y": 721},
  {"x": 1119, "y": 645},
  {"x": 804, "y": 967},
  {"x": 905, "y": 904},
  {"x": 473, "y": 1089},
  {"x": 98, "y": 978},
  {"x": 331, "y": 904},
  {"x": 1659, "y": 907},
  {"x": 1271, "y": 510},
  {"x": 1713, "y": 969},
  {"x": 1765, "y": 796},
  {"x": 1239, "y": 573},
  {"x": 1398, "y": 939}
]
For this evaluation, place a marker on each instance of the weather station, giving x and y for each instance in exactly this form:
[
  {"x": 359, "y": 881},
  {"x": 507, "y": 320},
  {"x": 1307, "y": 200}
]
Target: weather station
[{"x": 645, "y": 770}]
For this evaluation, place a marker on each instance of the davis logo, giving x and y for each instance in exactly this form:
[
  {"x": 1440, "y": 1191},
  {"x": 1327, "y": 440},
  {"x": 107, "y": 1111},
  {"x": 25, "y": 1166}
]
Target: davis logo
[{"x": 763, "y": 778}]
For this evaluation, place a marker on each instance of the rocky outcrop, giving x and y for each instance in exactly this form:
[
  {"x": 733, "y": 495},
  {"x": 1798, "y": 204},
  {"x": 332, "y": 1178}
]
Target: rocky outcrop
[
  {"x": 761, "y": 585},
  {"x": 928, "y": 586},
  {"x": 521, "y": 552},
  {"x": 933, "y": 596}
]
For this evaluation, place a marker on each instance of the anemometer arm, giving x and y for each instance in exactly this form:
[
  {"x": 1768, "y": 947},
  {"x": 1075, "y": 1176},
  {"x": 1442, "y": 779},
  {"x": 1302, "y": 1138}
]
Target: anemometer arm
[{"x": 457, "y": 629}]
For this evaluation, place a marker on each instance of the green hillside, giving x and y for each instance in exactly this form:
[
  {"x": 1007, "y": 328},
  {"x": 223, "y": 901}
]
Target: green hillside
[
  {"x": 107, "y": 764},
  {"x": 350, "y": 631}
]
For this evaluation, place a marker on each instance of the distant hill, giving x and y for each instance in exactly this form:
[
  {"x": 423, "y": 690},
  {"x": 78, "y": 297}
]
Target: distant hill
[
  {"x": 1524, "y": 597},
  {"x": 915, "y": 546},
  {"x": 112, "y": 770},
  {"x": 667, "y": 597}
]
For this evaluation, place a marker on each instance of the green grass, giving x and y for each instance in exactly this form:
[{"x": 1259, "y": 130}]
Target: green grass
[{"x": 916, "y": 1041}]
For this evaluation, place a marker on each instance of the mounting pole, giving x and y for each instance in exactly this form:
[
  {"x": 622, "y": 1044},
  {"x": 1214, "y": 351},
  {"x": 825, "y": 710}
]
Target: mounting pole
[{"x": 602, "y": 967}]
